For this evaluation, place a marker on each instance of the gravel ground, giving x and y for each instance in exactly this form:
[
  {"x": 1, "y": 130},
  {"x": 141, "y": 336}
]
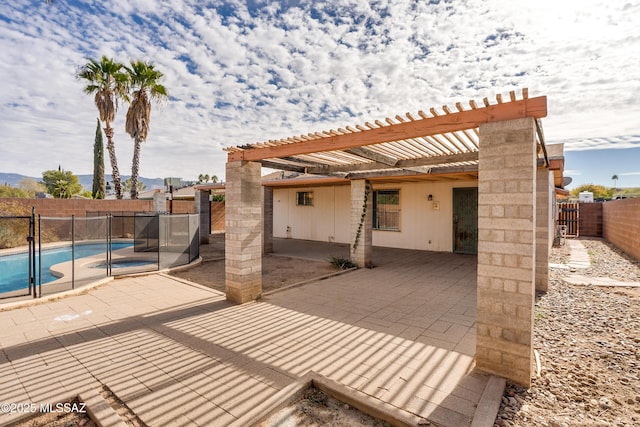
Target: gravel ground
[{"x": 588, "y": 339}]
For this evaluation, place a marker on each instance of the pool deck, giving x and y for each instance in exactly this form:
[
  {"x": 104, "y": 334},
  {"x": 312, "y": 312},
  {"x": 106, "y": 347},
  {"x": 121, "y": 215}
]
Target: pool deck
[{"x": 178, "y": 353}]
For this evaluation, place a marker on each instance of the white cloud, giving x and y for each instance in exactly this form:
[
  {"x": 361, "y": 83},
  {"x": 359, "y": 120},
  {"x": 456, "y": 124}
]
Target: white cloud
[{"x": 282, "y": 71}]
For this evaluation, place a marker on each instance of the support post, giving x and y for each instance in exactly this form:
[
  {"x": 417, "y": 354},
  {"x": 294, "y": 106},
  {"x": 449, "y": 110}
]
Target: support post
[
  {"x": 244, "y": 231},
  {"x": 543, "y": 222},
  {"x": 361, "y": 223},
  {"x": 506, "y": 249},
  {"x": 267, "y": 214},
  {"x": 203, "y": 209}
]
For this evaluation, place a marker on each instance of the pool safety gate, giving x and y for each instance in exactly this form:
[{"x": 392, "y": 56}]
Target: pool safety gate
[
  {"x": 63, "y": 253},
  {"x": 18, "y": 230}
]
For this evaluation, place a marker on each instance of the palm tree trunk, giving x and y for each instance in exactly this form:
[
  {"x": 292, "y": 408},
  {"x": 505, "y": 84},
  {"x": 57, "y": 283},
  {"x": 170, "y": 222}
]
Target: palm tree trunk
[
  {"x": 115, "y": 172},
  {"x": 135, "y": 168}
]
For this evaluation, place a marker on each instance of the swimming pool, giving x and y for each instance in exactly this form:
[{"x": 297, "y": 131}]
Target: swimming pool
[{"x": 14, "y": 269}]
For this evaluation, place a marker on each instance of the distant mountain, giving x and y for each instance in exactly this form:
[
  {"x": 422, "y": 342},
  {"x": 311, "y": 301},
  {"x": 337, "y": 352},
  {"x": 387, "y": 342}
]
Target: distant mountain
[{"x": 13, "y": 179}]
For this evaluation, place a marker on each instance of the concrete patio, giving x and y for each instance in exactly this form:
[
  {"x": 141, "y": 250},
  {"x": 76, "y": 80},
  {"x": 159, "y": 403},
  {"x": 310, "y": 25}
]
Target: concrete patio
[{"x": 178, "y": 353}]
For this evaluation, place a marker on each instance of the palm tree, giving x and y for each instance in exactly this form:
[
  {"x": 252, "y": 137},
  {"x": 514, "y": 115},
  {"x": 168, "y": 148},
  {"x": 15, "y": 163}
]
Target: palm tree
[
  {"x": 144, "y": 80},
  {"x": 615, "y": 180},
  {"x": 107, "y": 79}
]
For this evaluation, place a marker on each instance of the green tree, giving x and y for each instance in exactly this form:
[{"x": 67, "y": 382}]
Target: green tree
[
  {"x": 127, "y": 185},
  {"x": 144, "y": 80},
  {"x": 599, "y": 191},
  {"x": 108, "y": 80},
  {"x": 615, "y": 180},
  {"x": 99, "y": 184},
  {"x": 61, "y": 184},
  {"x": 205, "y": 178}
]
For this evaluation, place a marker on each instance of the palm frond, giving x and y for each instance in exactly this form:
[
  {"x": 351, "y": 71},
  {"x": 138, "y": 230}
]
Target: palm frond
[{"x": 109, "y": 81}]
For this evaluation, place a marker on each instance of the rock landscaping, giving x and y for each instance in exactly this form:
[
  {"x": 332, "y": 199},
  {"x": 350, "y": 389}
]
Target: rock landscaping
[{"x": 588, "y": 342}]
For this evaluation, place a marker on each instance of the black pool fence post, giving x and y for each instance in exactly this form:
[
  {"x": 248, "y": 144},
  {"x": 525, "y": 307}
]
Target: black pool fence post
[
  {"x": 73, "y": 251},
  {"x": 109, "y": 225},
  {"x": 32, "y": 251},
  {"x": 39, "y": 257},
  {"x": 158, "y": 234}
]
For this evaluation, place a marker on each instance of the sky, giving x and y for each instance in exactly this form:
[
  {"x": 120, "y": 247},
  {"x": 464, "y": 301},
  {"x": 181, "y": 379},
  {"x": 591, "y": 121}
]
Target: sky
[{"x": 240, "y": 72}]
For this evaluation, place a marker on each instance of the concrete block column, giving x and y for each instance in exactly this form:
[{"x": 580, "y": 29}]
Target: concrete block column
[
  {"x": 203, "y": 209},
  {"x": 361, "y": 227},
  {"x": 543, "y": 225},
  {"x": 506, "y": 249},
  {"x": 244, "y": 230},
  {"x": 267, "y": 213}
]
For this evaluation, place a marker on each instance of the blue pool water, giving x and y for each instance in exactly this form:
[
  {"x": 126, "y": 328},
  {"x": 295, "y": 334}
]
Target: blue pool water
[{"x": 14, "y": 269}]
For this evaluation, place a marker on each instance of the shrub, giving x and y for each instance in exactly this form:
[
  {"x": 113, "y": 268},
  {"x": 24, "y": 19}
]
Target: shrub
[
  {"x": 342, "y": 263},
  {"x": 13, "y": 231}
]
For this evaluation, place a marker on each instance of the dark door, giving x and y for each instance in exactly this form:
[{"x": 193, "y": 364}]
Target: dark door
[{"x": 465, "y": 220}]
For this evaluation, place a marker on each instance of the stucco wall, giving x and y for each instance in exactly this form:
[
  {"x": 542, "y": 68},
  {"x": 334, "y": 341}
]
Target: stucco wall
[
  {"x": 621, "y": 225},
  {"x": 421, "y": 227},
  {"x": 326, "y": 221}
]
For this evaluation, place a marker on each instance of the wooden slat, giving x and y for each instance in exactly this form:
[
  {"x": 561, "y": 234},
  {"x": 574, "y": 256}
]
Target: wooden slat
[
  {"x": 446, "y": 150},
  {"x": 372, "y": 155},
  {"x": 533, "y": 107},
  {"x": 395, "y": 172}
]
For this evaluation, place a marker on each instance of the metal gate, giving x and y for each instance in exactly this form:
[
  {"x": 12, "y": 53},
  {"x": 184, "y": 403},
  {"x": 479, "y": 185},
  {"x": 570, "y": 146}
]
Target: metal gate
[
  {"x": 568, "y": 218},
  {"x": 465, "y": 220},
  {"x": 15, "y": 231}
]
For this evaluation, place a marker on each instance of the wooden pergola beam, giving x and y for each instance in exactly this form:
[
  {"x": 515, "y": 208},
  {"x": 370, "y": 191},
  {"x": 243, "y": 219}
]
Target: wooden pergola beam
[
  {"x": 400, "y": 173},
  {"x": 400, "y": 164},
  {"x": 458, "y": 121},
  {"x": 372, "y": 155}
]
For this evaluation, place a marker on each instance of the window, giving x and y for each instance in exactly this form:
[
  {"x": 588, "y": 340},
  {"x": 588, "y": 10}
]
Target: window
[
  {"x": 386, "y": 210},
  {"x": 304, "y": 198}
]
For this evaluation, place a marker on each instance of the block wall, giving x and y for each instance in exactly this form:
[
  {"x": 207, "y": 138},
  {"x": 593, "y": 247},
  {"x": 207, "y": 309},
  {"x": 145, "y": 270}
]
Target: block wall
[
  {"x": 267, "y": 216},
  {"x": 543, "y": 223},
  {"x": 243, "y": 231},
  {"x": 590, "y": 219},
  {"x": 506, "y": 249},
  {"x": 621, "y": 225},
  {"x": 80, "y": 207}
]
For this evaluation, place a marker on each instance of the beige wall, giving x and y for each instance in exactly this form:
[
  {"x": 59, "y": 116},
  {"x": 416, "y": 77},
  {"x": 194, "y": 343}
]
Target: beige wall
[
  {"x": 326, "y": 221},
  {"x": 328, "y": 218}
]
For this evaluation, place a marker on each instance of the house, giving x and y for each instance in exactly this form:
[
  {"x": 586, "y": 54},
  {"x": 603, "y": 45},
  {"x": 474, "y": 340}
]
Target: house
[{"x": 475, "y": 180}]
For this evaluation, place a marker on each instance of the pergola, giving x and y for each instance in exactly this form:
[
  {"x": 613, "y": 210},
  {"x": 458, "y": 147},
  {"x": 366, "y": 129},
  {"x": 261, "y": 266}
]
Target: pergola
[
  {"x": 433, "y": 144},
  {"x": 500, "y": 144}
]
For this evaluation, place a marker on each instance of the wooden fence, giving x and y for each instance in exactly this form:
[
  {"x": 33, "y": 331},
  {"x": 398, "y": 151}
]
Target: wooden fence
[{"x": 569, "y": 217}]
